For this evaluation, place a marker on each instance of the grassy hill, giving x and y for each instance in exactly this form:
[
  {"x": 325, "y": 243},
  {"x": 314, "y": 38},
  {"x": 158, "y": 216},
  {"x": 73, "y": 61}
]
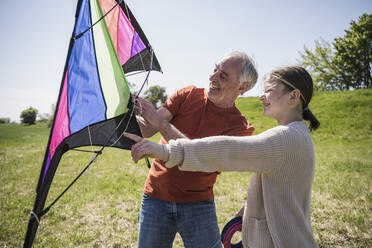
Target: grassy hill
[{"x": 101, "y": 209}]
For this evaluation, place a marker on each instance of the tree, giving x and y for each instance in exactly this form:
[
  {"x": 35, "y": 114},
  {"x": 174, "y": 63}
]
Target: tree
[
  {"x": 353, "y": 52},
  {"x": 156, "y": 95},
  {"x": 346, "y": 63},
  {"x": 4, "y": 120},
  {"x": 28, "y": 116},
  {"x": 319, "y": 64}
]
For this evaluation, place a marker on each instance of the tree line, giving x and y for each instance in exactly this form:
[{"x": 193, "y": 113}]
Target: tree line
[{"x": 345, "y": 63}]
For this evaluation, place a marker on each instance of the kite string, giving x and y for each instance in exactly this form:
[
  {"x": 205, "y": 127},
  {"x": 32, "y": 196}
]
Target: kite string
[
  {"x": 135, "y": 100},
  {"x": 132, "y": 110},
  {"x": 100, "y": 19},
  {"x": 148, "y": 73},
  {"x": 69, "y": 186},
  {"x": 143, "y": 65}
]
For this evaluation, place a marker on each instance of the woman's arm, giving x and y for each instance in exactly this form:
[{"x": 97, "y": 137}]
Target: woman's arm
[{"x": 260, "y": 153}]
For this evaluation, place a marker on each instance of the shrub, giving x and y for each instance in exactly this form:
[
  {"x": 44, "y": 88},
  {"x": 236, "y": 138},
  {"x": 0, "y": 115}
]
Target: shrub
[
  {"x": 28, "y": 116},
  {"x": 4, "y": 120}
]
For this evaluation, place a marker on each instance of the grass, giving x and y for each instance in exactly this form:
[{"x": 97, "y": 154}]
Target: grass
[{"x": 101, "y": 209}]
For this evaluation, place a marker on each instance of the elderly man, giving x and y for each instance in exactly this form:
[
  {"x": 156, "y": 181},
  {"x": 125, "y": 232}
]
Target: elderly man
[{"x": 179, "y": 201}]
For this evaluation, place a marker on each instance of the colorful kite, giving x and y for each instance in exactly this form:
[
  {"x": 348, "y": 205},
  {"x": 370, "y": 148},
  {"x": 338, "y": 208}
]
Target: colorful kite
[{"x": 94, "y": 105}]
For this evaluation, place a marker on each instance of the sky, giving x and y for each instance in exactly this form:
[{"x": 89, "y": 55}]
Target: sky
[{"x": 188, "y": 37}]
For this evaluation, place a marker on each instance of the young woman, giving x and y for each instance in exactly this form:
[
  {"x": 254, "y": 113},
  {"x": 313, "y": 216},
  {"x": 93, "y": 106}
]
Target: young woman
[{"x": 277, "y": 210}]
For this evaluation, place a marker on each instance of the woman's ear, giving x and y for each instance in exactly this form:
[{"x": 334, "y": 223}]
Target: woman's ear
[{"x": 294, "y": 96}]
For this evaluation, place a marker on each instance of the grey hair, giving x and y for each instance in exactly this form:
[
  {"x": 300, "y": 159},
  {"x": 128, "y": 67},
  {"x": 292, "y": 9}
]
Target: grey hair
[{"x": 248, "y": 71}]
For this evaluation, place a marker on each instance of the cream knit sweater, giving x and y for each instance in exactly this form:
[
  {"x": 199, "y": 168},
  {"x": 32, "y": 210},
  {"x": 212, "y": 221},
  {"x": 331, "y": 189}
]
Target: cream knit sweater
[{"x": 277, "y": 210}]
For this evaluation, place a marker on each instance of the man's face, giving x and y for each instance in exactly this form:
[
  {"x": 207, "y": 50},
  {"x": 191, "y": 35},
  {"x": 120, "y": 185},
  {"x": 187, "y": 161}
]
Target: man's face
[{"x": 224, "y": 85}]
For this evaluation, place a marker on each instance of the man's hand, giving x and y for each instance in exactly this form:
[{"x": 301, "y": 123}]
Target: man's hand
[
  {"x": 145, "y": 148},
  {"x": 148, "y": 112},
  {"x": 153, "y": 120}
]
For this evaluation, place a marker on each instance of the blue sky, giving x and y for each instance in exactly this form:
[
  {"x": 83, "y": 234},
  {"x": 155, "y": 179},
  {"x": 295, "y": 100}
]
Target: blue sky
[{"x": 188, "y": 38}]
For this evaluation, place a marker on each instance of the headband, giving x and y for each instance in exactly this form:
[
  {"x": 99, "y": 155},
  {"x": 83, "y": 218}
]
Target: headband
[{"x": 289, "y": 84}]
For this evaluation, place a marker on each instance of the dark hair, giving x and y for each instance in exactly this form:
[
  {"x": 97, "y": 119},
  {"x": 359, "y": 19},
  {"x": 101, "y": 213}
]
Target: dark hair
[{"x": 296, "y": 77}]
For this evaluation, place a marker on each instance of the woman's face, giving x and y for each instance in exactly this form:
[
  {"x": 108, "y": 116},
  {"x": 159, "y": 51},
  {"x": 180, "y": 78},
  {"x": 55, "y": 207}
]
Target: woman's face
[{"x": 274, "y": 99}]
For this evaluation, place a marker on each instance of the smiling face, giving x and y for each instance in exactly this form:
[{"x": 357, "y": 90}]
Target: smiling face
[
  {"x": 224, "y": 85},
  {"x": 274, "y": 99}
]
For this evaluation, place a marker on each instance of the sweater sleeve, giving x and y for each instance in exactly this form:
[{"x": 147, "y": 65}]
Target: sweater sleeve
[{"x": 261, "y": 153}]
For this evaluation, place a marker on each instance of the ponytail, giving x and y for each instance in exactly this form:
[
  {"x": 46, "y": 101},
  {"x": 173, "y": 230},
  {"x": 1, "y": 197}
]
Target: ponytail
[{"x": 308, "y": 115}]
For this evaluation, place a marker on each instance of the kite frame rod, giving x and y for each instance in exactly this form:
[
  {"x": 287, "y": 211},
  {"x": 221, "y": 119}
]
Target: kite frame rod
[{"x": 100, "y": 19}]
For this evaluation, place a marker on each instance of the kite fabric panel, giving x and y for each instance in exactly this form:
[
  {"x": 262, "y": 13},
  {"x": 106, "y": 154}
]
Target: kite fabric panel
[{"x": 94, "y": 106}]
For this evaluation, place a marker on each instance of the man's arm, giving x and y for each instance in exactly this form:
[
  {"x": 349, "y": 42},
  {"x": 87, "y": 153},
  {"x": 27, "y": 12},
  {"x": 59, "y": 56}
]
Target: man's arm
[
  {"x": 152, "y": 121},
  {"x": 168, "y": 131}
]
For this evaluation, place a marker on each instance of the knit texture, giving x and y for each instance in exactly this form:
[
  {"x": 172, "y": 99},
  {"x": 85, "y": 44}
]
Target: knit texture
[{"x": 277, "y": 210}]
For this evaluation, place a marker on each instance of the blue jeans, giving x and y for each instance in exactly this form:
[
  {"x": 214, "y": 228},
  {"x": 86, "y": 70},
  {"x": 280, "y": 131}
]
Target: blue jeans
[{"x": 196, "y": 222}]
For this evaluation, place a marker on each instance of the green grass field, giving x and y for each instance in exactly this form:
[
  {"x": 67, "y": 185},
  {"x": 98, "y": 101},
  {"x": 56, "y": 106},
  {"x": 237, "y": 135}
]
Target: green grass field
[{"x": 101, "y": 209}]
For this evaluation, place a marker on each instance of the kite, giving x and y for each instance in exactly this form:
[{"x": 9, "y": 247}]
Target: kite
[{"x": 94, "y": 105}]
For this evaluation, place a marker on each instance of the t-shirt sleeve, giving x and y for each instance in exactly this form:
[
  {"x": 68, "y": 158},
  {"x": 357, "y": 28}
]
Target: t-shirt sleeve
[{"x": 175, "y": 101}]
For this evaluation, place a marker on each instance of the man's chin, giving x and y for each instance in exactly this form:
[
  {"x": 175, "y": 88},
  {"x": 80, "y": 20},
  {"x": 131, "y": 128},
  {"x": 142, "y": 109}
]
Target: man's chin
[
  {"x": 212, "y": 92},
  {"x": 210, "y": 95}
]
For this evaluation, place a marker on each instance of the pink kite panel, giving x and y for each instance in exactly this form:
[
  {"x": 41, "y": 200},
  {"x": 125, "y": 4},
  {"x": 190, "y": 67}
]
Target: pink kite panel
[
  {"x": 111, "y": 19},
  {"x": 62, "y": 122},
  {"x": 125, "y": 38}
]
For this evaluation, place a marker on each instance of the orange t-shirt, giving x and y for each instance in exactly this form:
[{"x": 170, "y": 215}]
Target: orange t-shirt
[{"x": 196, "y": 117}]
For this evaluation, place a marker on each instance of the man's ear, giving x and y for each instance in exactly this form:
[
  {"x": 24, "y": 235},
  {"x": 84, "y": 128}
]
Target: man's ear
[{"x": 243, "y": 87}]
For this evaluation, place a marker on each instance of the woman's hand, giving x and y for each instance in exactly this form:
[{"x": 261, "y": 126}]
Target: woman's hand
[
  {"x": 240, "y": 213},
  {"x": 145, "y": 148}
]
